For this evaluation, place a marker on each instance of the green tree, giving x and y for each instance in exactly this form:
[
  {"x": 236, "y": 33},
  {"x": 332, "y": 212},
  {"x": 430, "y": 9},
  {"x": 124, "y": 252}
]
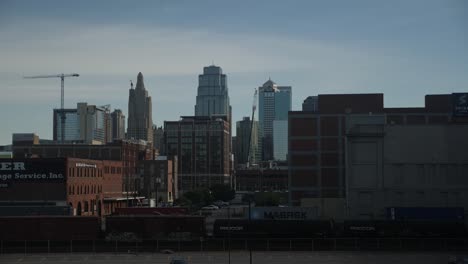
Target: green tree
[
  {"x": 222, "y": 192},
  {"x": 198, "y": 198}
]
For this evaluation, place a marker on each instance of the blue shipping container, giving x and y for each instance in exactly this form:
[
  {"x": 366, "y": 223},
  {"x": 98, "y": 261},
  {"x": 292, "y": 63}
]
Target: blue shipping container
[{"x": 426, "y": 213}]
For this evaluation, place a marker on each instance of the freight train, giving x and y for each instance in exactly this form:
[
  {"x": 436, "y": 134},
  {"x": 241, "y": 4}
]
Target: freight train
[
  {"x": 151, "y": 227},
  {"x": 241, "y": 228}
]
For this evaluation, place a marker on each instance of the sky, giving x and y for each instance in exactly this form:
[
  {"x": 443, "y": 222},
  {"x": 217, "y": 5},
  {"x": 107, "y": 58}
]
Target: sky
[{"x": 402, "y": 48}]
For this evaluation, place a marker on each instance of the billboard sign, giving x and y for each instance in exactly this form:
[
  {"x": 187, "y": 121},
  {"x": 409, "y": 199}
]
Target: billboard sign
[
  {"x": 19, "y": 171},
  {"x": 460, "y": 104},
  {"x": 284, "y": 213},
  {"x": 35, "y": 179}
]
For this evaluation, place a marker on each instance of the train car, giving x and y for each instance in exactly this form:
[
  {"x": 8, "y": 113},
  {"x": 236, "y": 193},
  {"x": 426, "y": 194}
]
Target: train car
[
  {"x": 151, "y": 211},
  {"x": 426, "y": 213},
  {"x": 55, "y": 228},
  {"x": 243, "y": 228},
  {"x": 156, "y": 227},
  {"x": 410, "y": 228}
]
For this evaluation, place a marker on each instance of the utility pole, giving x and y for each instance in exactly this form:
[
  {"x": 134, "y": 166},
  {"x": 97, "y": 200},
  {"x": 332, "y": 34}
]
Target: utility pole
[{"x": 62, "y": 97}]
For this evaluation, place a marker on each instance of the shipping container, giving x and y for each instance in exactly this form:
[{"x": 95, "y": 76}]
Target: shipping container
[
  {"x": 243, "y": 228},
  {"x": 406, "y": 228},
  {"x": 426, "y": 213}
]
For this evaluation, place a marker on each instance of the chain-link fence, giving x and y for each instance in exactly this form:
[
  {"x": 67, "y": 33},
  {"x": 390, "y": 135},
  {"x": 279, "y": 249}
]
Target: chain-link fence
[{"x": 325, "y": 244}]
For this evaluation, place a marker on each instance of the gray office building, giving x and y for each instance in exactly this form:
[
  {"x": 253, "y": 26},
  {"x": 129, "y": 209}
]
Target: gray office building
[
  {"x": 118, "y": 124},
  {"x": 274, "y": 103},
  {"x": 85, "y": 124},
  {"x": 310, "y": 104},
  {"x": 212, "y": 94}
]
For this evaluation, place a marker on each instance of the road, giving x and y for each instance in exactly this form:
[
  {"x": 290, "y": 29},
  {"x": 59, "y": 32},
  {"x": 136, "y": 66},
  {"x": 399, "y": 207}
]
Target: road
[{"x": 239, "y": 257}]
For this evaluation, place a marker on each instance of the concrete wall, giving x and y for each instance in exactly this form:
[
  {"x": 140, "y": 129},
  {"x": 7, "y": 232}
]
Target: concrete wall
[{"x": 407, "y": 166}]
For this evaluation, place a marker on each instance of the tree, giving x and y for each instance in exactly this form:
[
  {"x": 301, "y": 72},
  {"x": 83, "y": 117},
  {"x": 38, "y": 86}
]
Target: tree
[
  {"x": 222, "y": 192},
  {"x": 198, "y": 198}
]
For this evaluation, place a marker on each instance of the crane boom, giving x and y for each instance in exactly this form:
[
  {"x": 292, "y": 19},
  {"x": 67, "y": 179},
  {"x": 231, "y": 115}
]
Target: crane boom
[
  {"x": 249, "y": 152},
  {"x": 62, "y": 95},
  {"x": 53, "y": 76}
]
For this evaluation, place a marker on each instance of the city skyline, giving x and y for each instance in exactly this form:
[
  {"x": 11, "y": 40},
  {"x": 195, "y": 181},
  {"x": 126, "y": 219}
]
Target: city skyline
[{"x": 404, "y": 50}]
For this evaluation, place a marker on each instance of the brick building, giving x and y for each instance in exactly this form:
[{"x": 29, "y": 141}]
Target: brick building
[
  {"x": 203, "y": 147},
  {"x": 89, "y": 187},
  {"x": 129, "y": 152}
]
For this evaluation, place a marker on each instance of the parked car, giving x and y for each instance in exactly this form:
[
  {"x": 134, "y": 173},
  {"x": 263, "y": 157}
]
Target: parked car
[
  {"x": 210, "y": 207},
  {"x": 220, "y": 203}
]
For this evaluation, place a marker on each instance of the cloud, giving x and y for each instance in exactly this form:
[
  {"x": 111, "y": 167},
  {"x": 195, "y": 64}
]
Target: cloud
[
  {"x": 120, "y": 49},
  {"x": 108, "y": 55}
]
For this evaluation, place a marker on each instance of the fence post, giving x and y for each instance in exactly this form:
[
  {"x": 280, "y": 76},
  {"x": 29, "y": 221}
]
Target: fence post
[
  {"x": 290, "y": 244},
  {"x": 157, "y": 245}
]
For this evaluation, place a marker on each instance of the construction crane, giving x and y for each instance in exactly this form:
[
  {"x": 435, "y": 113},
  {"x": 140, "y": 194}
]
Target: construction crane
[
  {"x": 62, "y": 115},
  {"x": 249, "y": 152}
]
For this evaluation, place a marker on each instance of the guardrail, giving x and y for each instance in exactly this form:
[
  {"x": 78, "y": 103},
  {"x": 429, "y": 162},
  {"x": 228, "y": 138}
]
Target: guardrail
[{"x": 313, "y": 244}]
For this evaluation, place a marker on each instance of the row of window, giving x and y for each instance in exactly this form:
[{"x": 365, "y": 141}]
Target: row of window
[
  {"x": 84, "y": 189},
  {"x": 84, "y": 172},
  {"x": 112, "y": 170}
]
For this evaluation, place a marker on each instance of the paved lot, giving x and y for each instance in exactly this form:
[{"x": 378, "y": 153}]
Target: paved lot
[{"x": 238, "y": 258}]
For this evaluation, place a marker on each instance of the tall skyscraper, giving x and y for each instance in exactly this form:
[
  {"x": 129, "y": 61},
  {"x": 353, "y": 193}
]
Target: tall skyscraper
[
  {"x": 243, "y": 140},
  {"x": 85, "y": 124},
  {"x": 280, "y": 140},
  {"x": 118, "y": 124},
  {"x": 212, "y": 95},
  {"x": 274, "y": 103},
  {"x": 140, "y": 121}
]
